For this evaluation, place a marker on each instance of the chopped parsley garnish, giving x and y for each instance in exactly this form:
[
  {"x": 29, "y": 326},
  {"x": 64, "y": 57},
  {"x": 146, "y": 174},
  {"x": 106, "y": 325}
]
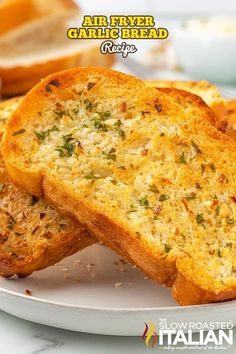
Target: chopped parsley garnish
[
  {"x": 11, "y": 223},
  {"x": 212, "y": 167},
  {"x": 59, "y": 113},
  {"x": 191, "y": 196},
  {"x": 144, "y": 202},
  {"x": 18, "y": 132},
  {"x": 98, "y": 121},
  {"x": 89, "y": 105},
  {"x": 34, "y": 200},
  {"x": 196, "y": 148},
  {"x": 182, "y": 158},
  {"x": 117, "y": 127},
  {"x": 75, "y": 111},
  {"x": 132, "y": 209},
  {"x": 163, "y": 197},
  {"x": 67, "y": 149},
  {"x": 2, "y": 185},
  {"x": 217, "y": 210},
  {"x": 153, "y": 188},
  {"x": 91, "y": 176},
  {"x": 110, "y": 155},
  {"x": 167, "y": 248},
  {"x": 230, "y": 221},
  {"x": 219, "y": 253},
  {"x": 104, "y": 115},
  {"x": 18, "y": 234},
  {"x": 200, "y": 220},
  {"x": 42, "y": 135},
  {"x": 99, "y": 124}
]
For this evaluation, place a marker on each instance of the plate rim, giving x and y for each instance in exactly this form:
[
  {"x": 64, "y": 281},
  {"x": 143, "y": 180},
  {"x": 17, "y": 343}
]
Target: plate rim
[{"x": 35, "y": 299}]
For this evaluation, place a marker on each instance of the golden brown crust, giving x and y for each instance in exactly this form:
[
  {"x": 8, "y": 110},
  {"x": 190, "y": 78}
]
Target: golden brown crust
[
  {"x": 190, "y": 283},
  {"x": 188, "y": 100},
  {"x": 207, "y": 91}
]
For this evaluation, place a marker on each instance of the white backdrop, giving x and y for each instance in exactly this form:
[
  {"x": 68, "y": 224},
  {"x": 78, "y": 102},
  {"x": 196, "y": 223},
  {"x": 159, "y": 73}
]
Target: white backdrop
[{"x": 162, "y": 7}]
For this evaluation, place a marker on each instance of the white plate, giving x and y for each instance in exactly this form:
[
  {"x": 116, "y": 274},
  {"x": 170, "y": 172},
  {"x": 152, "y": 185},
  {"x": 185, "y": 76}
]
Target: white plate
[{"x": 95, "y": 292}]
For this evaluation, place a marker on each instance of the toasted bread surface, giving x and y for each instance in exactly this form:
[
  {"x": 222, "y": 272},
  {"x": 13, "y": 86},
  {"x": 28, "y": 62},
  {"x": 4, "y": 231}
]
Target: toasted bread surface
[
  {"x": 153, "y": 179},
  {"x": 207, "y": 91},
  {"x": 32, "y": 234}
]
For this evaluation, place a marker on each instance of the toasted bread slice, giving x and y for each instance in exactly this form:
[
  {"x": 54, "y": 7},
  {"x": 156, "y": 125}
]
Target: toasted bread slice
[
  {"x": 207, "y": 91},
  {"x": 153, "y": 180},
  {"x": 32, "y": 235},
  {"x": 231, "y": 118}
]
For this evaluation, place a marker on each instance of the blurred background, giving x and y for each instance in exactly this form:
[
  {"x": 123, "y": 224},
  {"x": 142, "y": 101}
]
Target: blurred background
[{"x": 201, "y": 43}]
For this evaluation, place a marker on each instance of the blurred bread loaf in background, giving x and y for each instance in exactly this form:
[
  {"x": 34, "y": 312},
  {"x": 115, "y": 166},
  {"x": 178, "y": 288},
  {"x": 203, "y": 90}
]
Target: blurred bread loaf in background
[
  {"x": 17, "y": 13},
  {"x": 33, "y": 43}
]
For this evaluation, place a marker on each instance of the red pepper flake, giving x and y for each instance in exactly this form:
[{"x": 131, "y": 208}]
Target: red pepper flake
[
  {"x": 166, "y": 180},
  {"x": 215, "y": 202},
  {"x": 185, "y": 203},
  {"x": 177, "y": 231},
  {"x": 181, "y": 142},
  {"x": 144, "y": 152},
  {"x": 90, "y": 85},
  {"x": 158, "y": 107},
  {"x": 59, "y": 105},
  {"x": 28, "y": 292},
  {"x": 223, "y": 126},
  {"x": 223, "y": 178},
  {"x": 123, "y": 107},
  {"x": 233, "y": 199},
  {"x": 157, "y": 209}
]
